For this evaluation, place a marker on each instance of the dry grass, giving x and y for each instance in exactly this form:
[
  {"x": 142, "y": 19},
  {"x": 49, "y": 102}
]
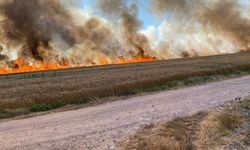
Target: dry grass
[
  {"x": 74, "y": 85},
  {"x": 174, "y": 135},
  {"x": 216, "y": 125},
  {"x": 171, "y": 136},
  {"x": 199, "y": 132}
]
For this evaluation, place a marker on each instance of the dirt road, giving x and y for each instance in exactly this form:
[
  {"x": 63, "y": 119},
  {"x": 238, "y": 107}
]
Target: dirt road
[{"x": 100, "y": 127}]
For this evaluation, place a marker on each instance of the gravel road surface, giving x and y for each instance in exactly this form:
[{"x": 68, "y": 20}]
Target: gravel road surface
[{"x": 101, "y": 127}]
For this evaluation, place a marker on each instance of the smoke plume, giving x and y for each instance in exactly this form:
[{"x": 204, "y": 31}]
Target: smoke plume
[
  {"x": 227, "y": 18},
  {"x": 214, "y": 21},
  {"x": 35, "y": 22},
  {"x": 50, "y": 30},
  {"x": 129, "y": 24},
  {"x": 60, "y": 31}
]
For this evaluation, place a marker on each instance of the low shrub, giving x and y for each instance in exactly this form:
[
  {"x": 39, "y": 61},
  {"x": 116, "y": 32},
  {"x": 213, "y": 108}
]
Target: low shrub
[{"x": 46, "y": 107}]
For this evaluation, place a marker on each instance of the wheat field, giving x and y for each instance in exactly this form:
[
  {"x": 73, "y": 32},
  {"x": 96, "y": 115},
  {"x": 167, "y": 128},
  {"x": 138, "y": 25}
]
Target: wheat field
[{"x": 73, "y": 85}]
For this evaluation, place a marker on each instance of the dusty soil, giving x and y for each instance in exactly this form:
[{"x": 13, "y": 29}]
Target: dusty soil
[
  {"x": 101, "y": 127},
  {"x": 74, "y": 85},
  {"x": 225, "y": 128}
]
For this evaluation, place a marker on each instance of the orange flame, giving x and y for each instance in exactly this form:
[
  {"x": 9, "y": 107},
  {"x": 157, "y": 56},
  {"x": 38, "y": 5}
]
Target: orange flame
[{"x": 21, "y": 66}]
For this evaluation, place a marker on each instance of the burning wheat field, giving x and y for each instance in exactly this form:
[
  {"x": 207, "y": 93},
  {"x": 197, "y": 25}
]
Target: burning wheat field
[
  {"x": 37, "y": 35},
  {"x": 60, "y": 50},
  {"x": 86, "y": 74}
]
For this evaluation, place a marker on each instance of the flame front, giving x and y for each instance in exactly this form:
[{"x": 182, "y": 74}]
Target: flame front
[{"x": 21, "y": 66}]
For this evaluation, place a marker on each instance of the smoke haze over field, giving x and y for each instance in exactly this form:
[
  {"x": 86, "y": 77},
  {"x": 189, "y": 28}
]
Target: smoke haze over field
[
  {"x": 218, "y": 21},
  {"x": 59, "y": 31}
]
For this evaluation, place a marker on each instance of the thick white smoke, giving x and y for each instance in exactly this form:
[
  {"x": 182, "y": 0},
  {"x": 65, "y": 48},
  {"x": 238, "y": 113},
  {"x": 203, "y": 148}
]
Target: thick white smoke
[{"x": 200, "y": 27}]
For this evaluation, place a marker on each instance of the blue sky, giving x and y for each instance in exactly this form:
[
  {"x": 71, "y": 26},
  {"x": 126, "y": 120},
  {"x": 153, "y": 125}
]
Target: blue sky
[{"x": 144, "y": 12}]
